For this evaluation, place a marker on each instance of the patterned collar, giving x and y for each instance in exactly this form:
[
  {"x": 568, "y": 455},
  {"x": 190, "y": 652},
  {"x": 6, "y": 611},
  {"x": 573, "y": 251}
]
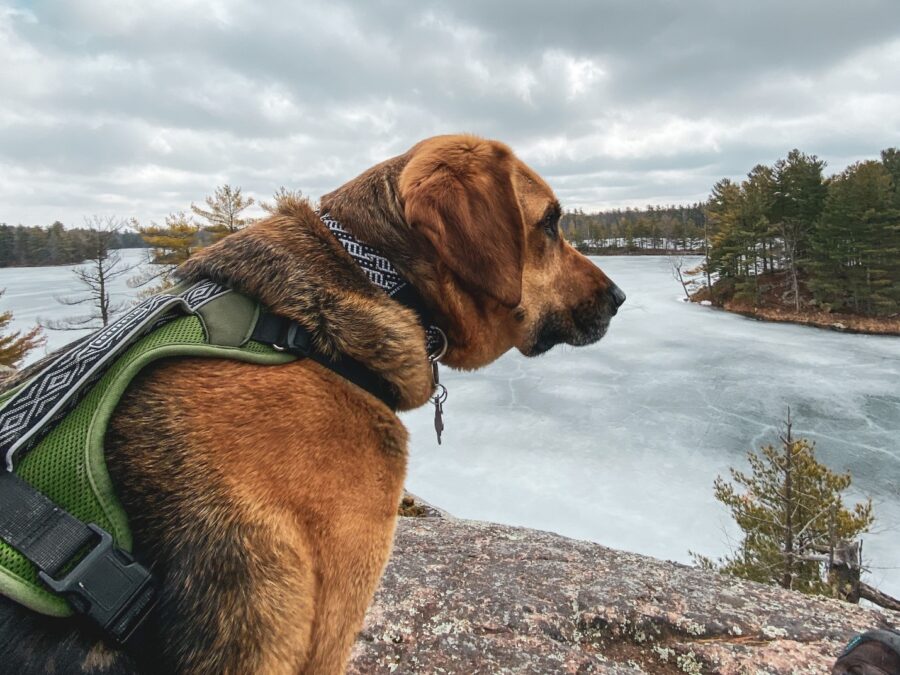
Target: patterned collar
[{"x": 382, "y": 273}]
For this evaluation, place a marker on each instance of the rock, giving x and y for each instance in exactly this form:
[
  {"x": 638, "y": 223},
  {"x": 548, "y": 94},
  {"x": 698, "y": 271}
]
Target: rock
[
  {"x": 412, "y": 506},
  {"x": 464, "y": 597},
  {"x": 838, "y": 325},
  {"x": 706, "y": 303}
]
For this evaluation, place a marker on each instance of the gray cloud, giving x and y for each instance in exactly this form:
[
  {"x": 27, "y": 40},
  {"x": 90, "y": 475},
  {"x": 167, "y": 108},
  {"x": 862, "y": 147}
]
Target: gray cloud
[{"x": 111, "y": 106}]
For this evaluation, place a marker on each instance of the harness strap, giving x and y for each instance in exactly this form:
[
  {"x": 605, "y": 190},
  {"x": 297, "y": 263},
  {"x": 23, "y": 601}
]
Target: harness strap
[
  {"x": 56, "y": 390},
  {"x": 76, "y": 560},
  {"x": 289, "y": 336},
  {"x": 43, "y": 532}
]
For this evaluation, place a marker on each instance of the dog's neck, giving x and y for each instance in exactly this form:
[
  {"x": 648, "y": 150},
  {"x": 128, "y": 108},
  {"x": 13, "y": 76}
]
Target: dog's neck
[
  {"x": 382, "y": 273},
  {"x": 296, "y": 266},
  {"x": 370, "y": 208}
]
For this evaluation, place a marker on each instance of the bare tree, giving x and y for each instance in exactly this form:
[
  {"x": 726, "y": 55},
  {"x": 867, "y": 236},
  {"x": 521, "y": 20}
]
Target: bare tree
[
  {"x": 706, "y": 249},
  {"x": 224, "y": 212},
  {"x": 677, "y": 264},
  {"x": 103, "y": 265},
  {"x": 686, "y": 277}
]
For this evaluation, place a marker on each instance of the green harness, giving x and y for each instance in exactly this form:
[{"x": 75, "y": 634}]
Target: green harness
[{"x": 69, "y": 466}]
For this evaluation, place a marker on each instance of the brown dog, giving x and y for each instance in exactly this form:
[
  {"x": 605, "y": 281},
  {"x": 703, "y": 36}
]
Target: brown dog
[{"x": 266, "y": 497}]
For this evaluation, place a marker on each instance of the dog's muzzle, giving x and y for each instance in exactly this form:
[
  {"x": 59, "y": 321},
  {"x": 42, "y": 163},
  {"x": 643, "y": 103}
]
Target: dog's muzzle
[{"x": 584, "y": 324}]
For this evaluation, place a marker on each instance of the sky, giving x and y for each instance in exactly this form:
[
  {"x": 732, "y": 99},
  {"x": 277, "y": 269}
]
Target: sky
[{"x": 137, "y": 109}]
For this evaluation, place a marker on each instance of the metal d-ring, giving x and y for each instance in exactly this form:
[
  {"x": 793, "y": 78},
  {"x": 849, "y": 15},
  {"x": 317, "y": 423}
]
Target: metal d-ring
[
  {"x": 440, "y": 393},
  {"x": 439, "y": 354}
]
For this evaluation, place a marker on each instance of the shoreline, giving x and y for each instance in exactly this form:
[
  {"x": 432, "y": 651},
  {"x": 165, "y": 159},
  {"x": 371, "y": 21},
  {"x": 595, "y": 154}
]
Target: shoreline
[
  {"x": 618, "y": 252},
  {"x": 840, "y": 323}
]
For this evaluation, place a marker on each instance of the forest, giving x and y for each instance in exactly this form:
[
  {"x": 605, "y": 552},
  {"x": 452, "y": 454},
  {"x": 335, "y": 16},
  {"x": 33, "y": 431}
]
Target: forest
[
  {"x": 24, "y": 246},
  {"x": 656, "y": 229},
  {"x": 785, "y": 234}
]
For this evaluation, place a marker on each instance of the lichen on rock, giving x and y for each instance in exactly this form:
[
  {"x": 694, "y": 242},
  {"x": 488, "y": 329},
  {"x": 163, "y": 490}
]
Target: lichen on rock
[{"x": 472, "y": 597}]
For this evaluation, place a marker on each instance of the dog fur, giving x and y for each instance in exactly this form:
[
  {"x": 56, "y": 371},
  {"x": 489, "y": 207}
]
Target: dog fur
[{"x": 266, "y": 497}]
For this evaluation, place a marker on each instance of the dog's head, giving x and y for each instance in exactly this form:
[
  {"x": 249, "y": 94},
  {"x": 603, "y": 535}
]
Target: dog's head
[{"x": 477, "y": 231}]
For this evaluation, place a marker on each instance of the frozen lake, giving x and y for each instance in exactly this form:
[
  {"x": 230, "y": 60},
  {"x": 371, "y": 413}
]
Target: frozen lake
[
  {"x": 620, "y": 442},
  {"x": 31, "y": 294}
]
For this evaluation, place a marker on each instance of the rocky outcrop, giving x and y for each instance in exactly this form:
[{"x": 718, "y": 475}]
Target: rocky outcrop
[{"x": 471, "y": 597}]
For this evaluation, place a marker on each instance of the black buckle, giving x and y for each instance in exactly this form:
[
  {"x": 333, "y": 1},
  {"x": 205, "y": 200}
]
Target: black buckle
[
  {"x": 295, "y": 339},
  {"x": 109, "y": 586}
]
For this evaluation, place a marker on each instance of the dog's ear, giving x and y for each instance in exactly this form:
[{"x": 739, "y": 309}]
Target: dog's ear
[{"x": 459, "y": 194}]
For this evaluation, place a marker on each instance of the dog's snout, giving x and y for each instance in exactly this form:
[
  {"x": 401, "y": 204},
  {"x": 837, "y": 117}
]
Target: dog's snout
[{"x": 618, "y": 297}]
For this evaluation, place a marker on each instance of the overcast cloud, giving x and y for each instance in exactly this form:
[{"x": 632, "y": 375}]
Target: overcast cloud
[{"x": 138, "y": 108}]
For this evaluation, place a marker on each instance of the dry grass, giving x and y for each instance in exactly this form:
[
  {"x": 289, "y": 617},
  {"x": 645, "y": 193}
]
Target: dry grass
[{"x": 847, "y": 323}]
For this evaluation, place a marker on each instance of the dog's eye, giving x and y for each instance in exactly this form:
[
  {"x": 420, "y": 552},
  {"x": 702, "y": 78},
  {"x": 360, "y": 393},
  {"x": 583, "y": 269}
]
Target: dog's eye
[{"x": 550, "y": 223}]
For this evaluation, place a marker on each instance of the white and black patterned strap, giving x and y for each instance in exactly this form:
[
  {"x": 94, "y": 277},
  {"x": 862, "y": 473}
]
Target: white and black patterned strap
[
  {"x": 378, "y": 268},
  {"x": 383, "y": 274},
  {"x": 29, "y": 415}
]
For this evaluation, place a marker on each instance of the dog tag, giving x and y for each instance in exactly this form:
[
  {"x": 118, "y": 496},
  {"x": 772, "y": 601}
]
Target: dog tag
[
  {"x": 438, "y": 417},
  {"x": 440, "y": 395}
]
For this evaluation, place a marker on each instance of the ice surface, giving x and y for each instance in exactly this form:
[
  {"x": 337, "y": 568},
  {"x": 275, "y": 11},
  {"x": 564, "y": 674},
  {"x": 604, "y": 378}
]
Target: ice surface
[
  {"x": 31, "y": 294},
  {"x": 620, "y": 442}
]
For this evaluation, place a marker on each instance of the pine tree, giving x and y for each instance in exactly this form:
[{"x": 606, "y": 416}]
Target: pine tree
[
  {"x": 15, "y": 346},
  {"x": 759, "y": 197},
  {"x": 725, "y": 213},
  {"x": 174, "y": 243},
  {"x": 7, "y": 235},
  {"x": 890, "y": 158},
  {"x": 853, "y": 250},
  {"x": 170, "y": 246},
  {"x": 790, "y": 510},
  {"x": 224, "y": 213},
  {"x": 799, "y": 198}
]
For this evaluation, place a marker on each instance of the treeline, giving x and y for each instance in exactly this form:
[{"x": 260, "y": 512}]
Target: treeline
[
  {"x": 654, "y": 229},
  {"x": 785, "y": 235},
  {"x": 23, "y": 246},
  {"x": 831, "y": 243}
]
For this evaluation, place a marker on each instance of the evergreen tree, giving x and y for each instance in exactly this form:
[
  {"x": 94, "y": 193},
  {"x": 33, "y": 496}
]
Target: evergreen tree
[
  {"x": 170, "y": 246},
  {"x": 799, "y": 198},
  {"x": 890, "y": 158},
  {"x": 54, "y": 245},
  {"x": 15, "y": 346},
  {"x": 791, "y": 511},
  {"x": 725, "y": 211},
  {"x": 173, "y": 243},
  {"x": 6, "y": 245},
  {"x": 759, "y": 198},
  {"x": 854, "y": 250}
]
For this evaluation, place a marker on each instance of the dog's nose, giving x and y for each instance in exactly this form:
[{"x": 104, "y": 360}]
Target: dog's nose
[{"x": 618, "y": 297}]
